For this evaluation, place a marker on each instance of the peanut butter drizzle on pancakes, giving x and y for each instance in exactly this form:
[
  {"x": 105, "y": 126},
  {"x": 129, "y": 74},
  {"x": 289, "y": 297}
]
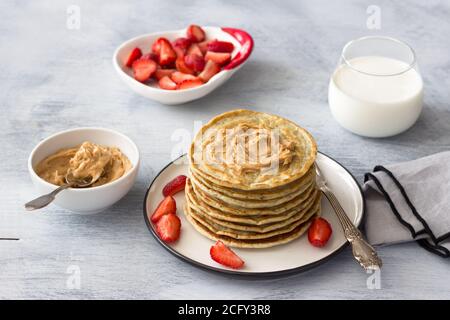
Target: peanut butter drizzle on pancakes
[{"x": 251, "y": 150}]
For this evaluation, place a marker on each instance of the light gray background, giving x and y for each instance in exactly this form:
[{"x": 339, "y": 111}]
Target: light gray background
[{"x": 53, "y": 78}]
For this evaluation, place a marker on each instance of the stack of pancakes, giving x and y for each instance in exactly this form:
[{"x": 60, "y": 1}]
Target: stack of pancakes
[{"x": 252, "y": 180}]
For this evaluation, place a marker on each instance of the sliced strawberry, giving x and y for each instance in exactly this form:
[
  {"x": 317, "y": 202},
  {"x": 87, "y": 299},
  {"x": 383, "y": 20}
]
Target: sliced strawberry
[
  {"x": 143, "y": 69},
  {"x": 194, "y": 49},
  {"x": 182, "y": 42},
  {"x": 167, "y": 206},
  {"x": 180, "y": 45},
  {"x": 167, "y": 55},
  {"x": 195, "y": 33},
  {"x": 179, "y": 77},
  {"x": 180, "y": 52},
  {"x": 195, "y": 62},
  {"x": 151, "y": 56},
  {"x": 161, "y": 73},
  {"x": 211, "y": 68},
  {"x": 220, "y": 46},
  {"x": 174, "y": 186},
  {"x": 203, "y": 46},
  {"x": 319, "y": 232},
  {"x": 189, "y": 84},
  {"x": 169, "y": 227},
  {"x": 182, "y": 67},
  {"x": 225, "y": 256},
  {"x": 218, "y": 57},
  {"x": 156, "y": 46},
  {"x": 167, "y": 84},
  {"x": 135, "y": 54}
]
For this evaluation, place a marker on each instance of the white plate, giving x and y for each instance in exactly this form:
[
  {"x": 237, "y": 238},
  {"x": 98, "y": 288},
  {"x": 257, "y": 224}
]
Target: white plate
[{"x": 295, "y": 256}]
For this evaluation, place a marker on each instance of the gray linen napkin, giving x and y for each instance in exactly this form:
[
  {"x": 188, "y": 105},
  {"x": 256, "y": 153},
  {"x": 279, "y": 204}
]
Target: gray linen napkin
[{"x": 410, "y": 201}]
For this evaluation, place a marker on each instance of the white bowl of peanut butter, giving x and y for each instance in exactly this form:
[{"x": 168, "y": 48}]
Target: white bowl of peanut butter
[{"x": 107, "y": 155}]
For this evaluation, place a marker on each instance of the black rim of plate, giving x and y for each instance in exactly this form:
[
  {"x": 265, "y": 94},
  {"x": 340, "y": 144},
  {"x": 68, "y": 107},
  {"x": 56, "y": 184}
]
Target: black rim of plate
[{"x": 241, "y": 273}]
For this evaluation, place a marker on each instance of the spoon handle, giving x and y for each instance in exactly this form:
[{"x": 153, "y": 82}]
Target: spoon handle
[
  {"x": 363, "y": 252},
  {"x": 45, "y": 200}
]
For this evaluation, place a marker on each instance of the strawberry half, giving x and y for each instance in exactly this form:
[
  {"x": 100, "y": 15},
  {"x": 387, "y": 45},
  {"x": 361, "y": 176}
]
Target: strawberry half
[
  {"x": 135, "y": 54},
  {"x": 167, "y": 84},
  {"x": 174, "y": 186},
  {"x": 218, "y": 57},
  {"x": 168, "y": 228},
  {"x": 182, "y": 67},
  {"x": 180, "y": 45},
  {"x": 189, "y": 84},
  {"x": 195, "y": 62},
  {"x": 179, "y": 77},
  {"x": 143, "y": 69},
  {"x": 161, "y": 73},
  {"x": 225, "y": 256},
  {"x": 211, "y": 68},
  {"x": 167, "y": 206},
  {"x": 203, "y": 46},
  {"x": 167, "y": 55},
  {"x": 194, "y": 49},
  {"x": 179, "y": 52},
  {"x": 151, "y": 56},
  {"x": 156, "y": 46},
  {"x": 195, "y": 33},
  {"x": 319, "y": 232},
  {"x": 220, "y": 46}
]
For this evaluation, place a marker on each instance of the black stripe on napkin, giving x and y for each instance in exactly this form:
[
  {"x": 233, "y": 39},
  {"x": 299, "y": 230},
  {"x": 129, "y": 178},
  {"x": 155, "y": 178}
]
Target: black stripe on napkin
[
  {"x": 370, "y": 176},
  {"x": 408, "y": 201},
  {"x": 424, "y": 243},
  {"x": 432, "y": 247},
  {"x": 445, "y": 236}
]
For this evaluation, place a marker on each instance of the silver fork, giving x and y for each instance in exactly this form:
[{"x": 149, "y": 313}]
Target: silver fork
[{"x": 363, "y": 252}]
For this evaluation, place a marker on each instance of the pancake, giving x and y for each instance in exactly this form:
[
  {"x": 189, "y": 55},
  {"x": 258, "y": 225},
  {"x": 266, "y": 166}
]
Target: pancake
[
  {"x": 232, "y": 231},
  {"x": 252, "y": 180},
  {"x": 250, "y": 243},
  {"x": 262, "y": 194},
  {"x": 309, "y": 179},
  {"x": 262, "y": 228},
  {"x": 241, "y": 235},
  {"x": 223, "y": 147},
  {"x": 275, "y": 210},
  {"x": 255, "y": 220}
]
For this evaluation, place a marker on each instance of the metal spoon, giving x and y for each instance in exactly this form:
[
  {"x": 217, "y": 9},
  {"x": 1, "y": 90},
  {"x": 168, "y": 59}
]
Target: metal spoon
[
  {"x": 71, "y": 182},
  {"x": 364, "y": 253}
]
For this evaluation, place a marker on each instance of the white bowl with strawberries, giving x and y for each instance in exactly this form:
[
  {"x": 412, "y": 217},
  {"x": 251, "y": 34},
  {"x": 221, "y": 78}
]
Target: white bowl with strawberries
[{"x": 176, "y": 67}]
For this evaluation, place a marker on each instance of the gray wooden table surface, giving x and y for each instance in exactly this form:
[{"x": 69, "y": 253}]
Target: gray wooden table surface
[{"x": 54, "y": 78}]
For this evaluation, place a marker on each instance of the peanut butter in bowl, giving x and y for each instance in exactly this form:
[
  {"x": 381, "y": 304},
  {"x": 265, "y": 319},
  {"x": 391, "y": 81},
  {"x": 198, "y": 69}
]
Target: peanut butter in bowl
[{"x": 86, "y": 160}]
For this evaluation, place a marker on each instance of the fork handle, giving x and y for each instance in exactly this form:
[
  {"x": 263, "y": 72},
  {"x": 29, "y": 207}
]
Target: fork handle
[{"x": 363, "y": 252}]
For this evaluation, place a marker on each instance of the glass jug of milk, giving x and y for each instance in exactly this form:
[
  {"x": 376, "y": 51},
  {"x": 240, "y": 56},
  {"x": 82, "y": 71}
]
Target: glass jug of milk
[{"x": 376, "y": 90}]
